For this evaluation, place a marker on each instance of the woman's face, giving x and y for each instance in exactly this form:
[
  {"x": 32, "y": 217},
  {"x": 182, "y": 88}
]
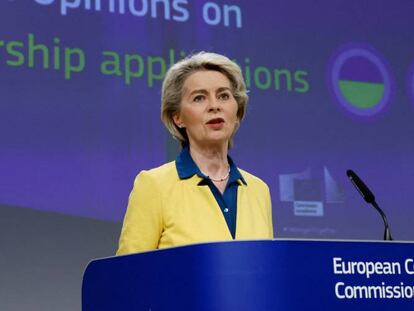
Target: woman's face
[{"x": 208, "y": 110}]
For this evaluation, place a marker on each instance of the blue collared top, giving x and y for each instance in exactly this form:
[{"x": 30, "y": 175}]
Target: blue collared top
[{"x": 186, "y": 168}]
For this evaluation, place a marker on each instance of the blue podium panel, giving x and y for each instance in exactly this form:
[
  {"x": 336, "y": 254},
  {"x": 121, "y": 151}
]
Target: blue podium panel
[{"x": 256, "y": 275}]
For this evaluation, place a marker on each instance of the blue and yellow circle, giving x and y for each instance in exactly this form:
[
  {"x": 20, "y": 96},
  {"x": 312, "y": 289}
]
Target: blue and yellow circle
[{"x": 360, "y": 80}]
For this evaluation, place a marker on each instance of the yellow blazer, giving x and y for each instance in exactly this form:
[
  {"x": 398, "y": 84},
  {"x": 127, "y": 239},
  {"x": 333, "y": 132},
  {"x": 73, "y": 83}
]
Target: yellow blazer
[{"x": 165, "y": 211}]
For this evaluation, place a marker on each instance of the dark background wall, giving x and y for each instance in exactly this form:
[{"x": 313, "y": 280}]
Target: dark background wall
[{"x": 43, "y": 256}]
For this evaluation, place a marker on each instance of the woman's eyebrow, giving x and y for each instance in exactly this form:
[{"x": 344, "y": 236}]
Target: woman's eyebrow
[
  {"x": 198, "y": 91},
  {"x": 221, "y": 89}
]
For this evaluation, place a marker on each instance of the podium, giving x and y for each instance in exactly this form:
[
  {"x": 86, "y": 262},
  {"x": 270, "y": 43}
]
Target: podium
[{"x": 256, "y": 275}]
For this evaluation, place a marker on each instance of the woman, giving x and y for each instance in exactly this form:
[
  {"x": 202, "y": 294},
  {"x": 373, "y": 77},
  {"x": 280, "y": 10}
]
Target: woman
[{"x": 201, "y": 196}]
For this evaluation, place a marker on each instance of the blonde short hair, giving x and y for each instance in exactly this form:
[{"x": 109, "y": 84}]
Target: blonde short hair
[{"x": 172, "y": 88}]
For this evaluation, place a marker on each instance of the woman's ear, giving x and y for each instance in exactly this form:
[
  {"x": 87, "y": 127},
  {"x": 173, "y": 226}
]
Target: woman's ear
[{"x": 177, "y": 120}]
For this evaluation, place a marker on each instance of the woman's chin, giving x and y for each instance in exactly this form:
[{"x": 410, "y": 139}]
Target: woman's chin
[{"x": 218, "y": 140}]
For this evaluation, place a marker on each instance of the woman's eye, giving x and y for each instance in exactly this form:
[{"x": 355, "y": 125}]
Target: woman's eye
[
  {"x": 198, "y": 98},
  {"x": 224, "y": 96}
]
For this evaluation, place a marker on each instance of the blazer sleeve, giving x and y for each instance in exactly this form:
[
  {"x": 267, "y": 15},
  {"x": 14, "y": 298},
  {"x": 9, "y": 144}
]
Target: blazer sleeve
[
  {"x": 269, "y": 212},
  {"x": 142, "y": 227}
]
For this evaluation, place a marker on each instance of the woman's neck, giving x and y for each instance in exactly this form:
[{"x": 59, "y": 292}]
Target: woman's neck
[{"x": 211, "y": 161}]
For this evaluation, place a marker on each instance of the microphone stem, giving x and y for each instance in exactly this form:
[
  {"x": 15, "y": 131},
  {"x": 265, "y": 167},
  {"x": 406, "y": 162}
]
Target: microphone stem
[{"x": 387, "y": 232}]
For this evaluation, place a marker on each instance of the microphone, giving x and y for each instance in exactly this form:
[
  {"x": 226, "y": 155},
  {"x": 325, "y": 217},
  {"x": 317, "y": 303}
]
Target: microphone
[{"x": 369, "y": 198}]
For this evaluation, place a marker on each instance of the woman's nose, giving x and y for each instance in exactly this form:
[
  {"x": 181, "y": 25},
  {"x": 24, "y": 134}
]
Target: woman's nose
[{"x": 214, "y": 104}]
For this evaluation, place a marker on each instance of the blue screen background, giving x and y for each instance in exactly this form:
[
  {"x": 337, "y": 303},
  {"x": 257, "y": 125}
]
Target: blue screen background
[{"x": 73, "y": 145}]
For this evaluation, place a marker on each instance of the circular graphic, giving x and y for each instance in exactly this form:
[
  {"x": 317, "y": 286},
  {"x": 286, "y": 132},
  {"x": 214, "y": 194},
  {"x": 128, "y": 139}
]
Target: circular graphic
[{"x": 360, "y": 81}]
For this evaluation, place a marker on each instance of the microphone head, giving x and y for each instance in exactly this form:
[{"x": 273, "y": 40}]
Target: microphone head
[{"x": 361, "y": 187}]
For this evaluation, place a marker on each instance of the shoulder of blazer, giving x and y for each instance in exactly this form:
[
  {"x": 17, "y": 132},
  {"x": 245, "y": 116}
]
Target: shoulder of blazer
[{"x": 162, "y": 174}]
